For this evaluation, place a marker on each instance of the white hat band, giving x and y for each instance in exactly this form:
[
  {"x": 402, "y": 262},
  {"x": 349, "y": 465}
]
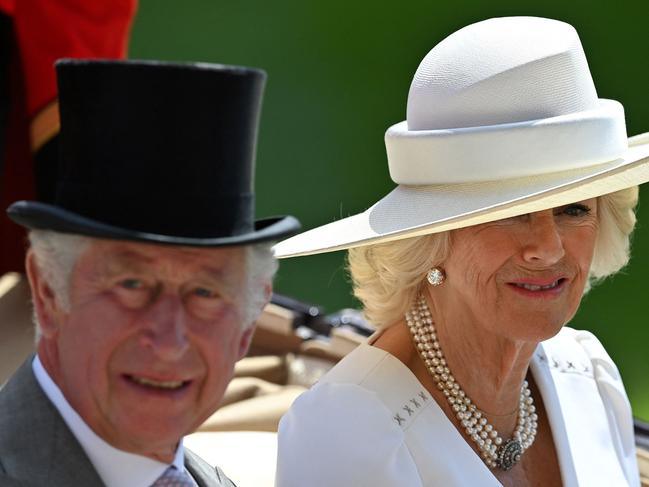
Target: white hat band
[{"x": 461, "y": 155}]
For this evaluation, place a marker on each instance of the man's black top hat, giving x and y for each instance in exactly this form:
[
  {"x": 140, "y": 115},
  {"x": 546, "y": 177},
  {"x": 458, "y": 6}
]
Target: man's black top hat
[{"x": 157, "y": 152}]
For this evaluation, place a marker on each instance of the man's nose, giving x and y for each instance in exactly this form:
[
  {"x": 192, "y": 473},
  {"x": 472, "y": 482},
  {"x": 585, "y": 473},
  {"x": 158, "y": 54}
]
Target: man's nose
[
  {"x": 544, "y": 244},
  {"x": 165, "y": 327}
]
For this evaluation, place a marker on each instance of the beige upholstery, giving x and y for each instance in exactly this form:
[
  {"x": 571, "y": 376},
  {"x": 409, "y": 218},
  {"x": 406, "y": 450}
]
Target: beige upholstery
[
  {"x": 255, "y": 405},
  {"x": 16, "y": 328},
  {"x": 643, "y": 463}
]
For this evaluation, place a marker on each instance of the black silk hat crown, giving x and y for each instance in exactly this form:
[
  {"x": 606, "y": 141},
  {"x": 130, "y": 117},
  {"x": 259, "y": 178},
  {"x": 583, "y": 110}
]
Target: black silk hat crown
[{"x": 157, "y": 152}]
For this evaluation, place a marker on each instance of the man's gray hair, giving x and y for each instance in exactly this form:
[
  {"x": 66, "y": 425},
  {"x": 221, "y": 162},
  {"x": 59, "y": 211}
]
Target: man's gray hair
[
  {"x": 57, "y": 253},
  {"x": 261, "y": 268}
]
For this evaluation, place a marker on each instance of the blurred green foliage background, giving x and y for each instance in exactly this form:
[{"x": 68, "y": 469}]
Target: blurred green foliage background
[{"x": 339, "y": 74}]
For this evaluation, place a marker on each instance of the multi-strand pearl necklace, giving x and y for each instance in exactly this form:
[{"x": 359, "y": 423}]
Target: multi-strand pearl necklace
[{"x": 495, "y": 451}]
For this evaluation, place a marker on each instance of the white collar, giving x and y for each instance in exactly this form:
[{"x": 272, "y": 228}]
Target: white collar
[{"x": 116, "y": 468}]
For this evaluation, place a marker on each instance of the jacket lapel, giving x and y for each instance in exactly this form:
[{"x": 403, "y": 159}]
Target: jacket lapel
[
  {"x": 36, "y": 446},
  {"x": 564, "y": 376}
]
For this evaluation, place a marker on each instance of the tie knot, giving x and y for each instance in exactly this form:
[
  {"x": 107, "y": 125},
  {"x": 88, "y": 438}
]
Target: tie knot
[{"x": 172, "y": 477}]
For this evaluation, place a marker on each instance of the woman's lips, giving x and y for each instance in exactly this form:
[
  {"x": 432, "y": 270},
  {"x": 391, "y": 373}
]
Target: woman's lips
[{"x": 539, "y": 287}]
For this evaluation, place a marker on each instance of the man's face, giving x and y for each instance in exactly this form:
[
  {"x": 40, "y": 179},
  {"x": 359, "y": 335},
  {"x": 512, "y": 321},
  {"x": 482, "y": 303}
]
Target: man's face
[{"x": 150, "y": 339}]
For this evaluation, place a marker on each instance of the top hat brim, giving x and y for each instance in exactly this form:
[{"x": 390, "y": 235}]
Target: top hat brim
[
  {"x": 411, "y": 211},
  {"x": 42, "y": 216}
]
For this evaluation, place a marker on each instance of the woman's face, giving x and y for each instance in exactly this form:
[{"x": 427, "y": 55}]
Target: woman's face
[{"x": 522, "y": 277}]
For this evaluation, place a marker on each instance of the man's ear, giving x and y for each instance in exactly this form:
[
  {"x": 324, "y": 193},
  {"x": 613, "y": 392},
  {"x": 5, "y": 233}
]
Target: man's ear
[
  {"x": 46, "y": 306},
  {"x": 268, "y": 292},
  {"x": 246, "y": 339}
]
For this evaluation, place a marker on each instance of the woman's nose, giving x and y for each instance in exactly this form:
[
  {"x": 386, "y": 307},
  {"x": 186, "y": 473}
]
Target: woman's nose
[
  {"x": 544, "y": 244},
  {"x": 165, "y": 328}
]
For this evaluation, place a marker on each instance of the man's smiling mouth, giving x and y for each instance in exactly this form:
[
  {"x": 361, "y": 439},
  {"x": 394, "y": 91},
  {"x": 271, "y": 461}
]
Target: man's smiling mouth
[{"x": 168, "y": 384}]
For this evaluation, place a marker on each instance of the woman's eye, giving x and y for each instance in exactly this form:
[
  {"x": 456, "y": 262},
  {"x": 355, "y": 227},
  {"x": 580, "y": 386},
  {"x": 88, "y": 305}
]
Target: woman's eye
[
  {"x": 131, "y": 284},
  {"x": 576, "y": 210}
]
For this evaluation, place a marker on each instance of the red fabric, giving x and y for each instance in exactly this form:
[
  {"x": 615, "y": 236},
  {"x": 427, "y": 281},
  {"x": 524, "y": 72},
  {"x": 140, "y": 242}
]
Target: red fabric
[
  {"x": 7, "y": 7},
  {"x": 48, "y": 30},
  {"x": 17, "y": 181},
  {"x": 44, "y": 31}
]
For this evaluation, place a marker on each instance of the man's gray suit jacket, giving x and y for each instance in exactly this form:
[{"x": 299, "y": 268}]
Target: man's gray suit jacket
[{"x": 38, "y": 449}]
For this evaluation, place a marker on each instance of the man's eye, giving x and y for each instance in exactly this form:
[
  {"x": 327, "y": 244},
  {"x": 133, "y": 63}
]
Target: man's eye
[
  {"x": 131, "y": 284},
  {"x": 576, "y": 210},
  {"x": 204, "y": 292}
]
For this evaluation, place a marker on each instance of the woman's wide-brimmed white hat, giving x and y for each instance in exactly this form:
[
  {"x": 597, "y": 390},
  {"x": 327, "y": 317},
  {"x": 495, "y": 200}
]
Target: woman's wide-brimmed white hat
[{"x": 503, "y": 119}]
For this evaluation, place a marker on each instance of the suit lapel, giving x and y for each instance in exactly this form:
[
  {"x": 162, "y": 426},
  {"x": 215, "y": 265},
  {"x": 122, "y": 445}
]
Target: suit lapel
[
  {"x": 563, "y": 373},
  {"x": 7, "y": 482},
  {"x": 36, "y": 446},
  {"x": 204, "y": 474}
]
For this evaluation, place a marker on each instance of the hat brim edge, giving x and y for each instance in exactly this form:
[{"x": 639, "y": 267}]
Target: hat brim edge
[
  {"x": 633, "y": 172},
  {"x": 36, "y": 215}
]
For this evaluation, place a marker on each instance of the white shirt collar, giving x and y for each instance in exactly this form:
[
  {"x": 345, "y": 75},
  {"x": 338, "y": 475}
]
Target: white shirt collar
[{"x": 116, "y": 468}]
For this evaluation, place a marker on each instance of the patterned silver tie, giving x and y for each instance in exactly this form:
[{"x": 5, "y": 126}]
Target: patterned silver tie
[{"x": 172, "y": 477}]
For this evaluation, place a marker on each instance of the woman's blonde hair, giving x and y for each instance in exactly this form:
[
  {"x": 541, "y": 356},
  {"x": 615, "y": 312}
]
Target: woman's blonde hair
[{"x": 388, "y": 277}]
